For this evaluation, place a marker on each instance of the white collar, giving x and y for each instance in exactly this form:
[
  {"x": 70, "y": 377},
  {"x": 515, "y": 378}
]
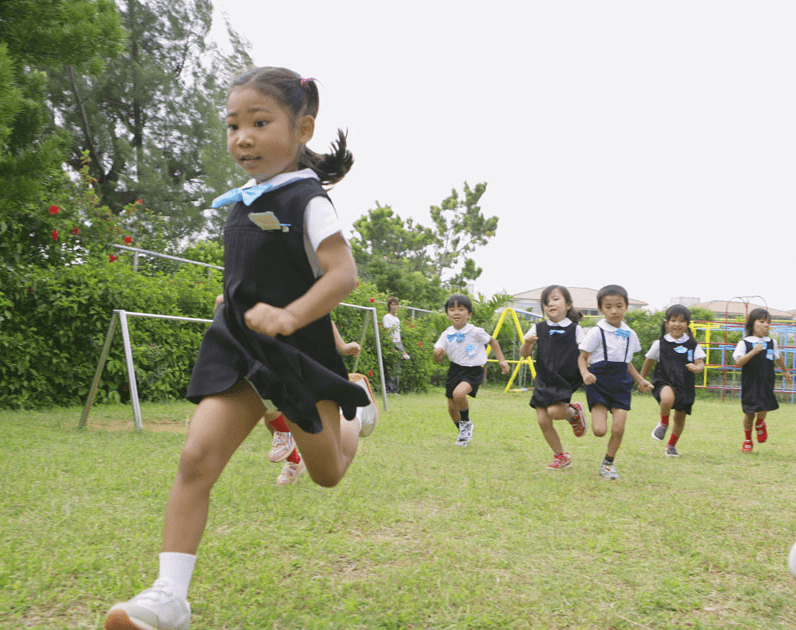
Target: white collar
[
  {"x": 277, "y": 180},
  {"x": 683, "y": 338},
  {"x": 608, "y": 328},
  {"x": 563, "y": 323}
]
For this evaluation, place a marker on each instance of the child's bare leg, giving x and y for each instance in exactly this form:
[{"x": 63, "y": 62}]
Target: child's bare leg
[
  {"x": 748, "y": 421},
  {"x": 679, "y": 423},
  {"x": 618, "y": 418},
  {"x": 548, "y": 430},
  {"x": 599, "y": 420},
  {"x": 667, "y": 400},
  {"x": 217, "y": 428},
  {"x": 328, "y": 454},
  {"x": 460, "y": 396},
  {"x": 453, "y": 410}
]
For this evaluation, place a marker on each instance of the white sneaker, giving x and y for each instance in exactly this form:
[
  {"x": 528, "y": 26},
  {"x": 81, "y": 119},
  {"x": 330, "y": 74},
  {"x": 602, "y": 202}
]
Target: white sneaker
[
  {"x": 368, "y": 416},
  {"x": 157, "y": 608},
  {"x": 465, "y": 433},
  {"x": 608, "y": 471},
  {"x": 281, "y": 447},
  {"x": 290, "y": 473}
]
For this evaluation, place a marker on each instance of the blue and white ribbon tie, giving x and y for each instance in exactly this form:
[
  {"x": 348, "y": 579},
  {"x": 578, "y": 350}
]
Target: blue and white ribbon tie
[{"x": 459, "y": 337}]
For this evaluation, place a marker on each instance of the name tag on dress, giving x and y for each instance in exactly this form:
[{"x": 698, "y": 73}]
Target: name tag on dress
[{"x": 268, "y": 221}]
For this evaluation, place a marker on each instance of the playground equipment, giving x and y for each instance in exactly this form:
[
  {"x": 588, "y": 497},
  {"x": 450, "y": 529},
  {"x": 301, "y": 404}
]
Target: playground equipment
[
  {"x": 515, "y": 315},
  {"x": 119, "y": 318}
]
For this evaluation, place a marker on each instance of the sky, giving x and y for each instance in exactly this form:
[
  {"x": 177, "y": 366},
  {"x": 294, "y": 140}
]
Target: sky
[{"x": 647, "y": 144}]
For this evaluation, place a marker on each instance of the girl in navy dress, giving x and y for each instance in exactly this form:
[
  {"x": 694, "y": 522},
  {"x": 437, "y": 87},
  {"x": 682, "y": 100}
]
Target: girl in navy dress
[
  {"x": 271, "y": 344},
  {"x": 756, "y": 354},
  {"x": 679, "y": 357},
  {"x": 557, "y": 374}
]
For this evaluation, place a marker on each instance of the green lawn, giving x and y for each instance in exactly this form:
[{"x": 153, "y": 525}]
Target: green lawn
[{"x": 420, "y": 533}]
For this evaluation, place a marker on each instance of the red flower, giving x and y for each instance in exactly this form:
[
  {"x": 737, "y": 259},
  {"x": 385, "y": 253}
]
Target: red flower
[
  {"x": 140, "y": 201},
  {"x": 357, "y": 282},
  {"x": 54, "y": 209},
  {"x": 419, "y": 344},
  {"x": 54, "y": 235},
  {"x": 372, "y": 300},
  {"x": 75, "y": 230},
  {"x": 370, "y": 372},
  {"x": 128, "y": 240},
  {"x": 111, "y": 258},
  {"x": 30, "y": 289}
]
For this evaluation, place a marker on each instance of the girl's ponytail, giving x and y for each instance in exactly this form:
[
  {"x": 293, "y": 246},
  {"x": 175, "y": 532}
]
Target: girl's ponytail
[{"x": 330, "y": 167}]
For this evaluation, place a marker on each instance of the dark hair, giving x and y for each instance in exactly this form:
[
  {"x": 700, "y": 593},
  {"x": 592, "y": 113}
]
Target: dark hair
[
  {"x": 677, "y": 310},
  {"x": 573, "y": 313},
  {"x": 612, "y": 289},
  {"x": 391, "y": 300},
  {"x": 757, "y": 313},
  {"x": 459, "y": 299},
  {"x": 299, "y": 97}
]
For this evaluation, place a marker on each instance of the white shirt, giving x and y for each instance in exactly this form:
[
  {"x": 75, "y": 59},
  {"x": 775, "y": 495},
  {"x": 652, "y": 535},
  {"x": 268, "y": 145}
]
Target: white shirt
[
  {"x": 579, "y": 334},
  {"x": 740, "y": 349},
  {"x": 393, "y": 324},
  {"x": 616, "y": 345},
  {"x": 471, "y": 351},
  {"x": 654, "y": 352},
  {"x": 320, "y": 217}
]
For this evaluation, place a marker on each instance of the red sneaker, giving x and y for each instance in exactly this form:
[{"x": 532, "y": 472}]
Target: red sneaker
[
  {"x": 747, "y": 446},
  {"x": 762, "y": 432},
  {"x": 578, "y": 423},
  {"x": 560, "y": 462}
]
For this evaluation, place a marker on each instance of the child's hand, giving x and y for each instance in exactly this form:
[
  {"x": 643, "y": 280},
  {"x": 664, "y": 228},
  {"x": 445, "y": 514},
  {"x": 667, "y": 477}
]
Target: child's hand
[
  {"x": 759, "y": 347},
  {"x": 438, "y": 354},
  {"x": 219, "y": 302},
  {"x": 270, "y": 320},
  {"x": 532, "y": 339},
  {"x": 351, "y": 348},
  {"x": 504, "y": 367},
  {"x": 589, "y": 379},
  {"x": 692, "y": 367},
  {"x": 645, "y": 386}
]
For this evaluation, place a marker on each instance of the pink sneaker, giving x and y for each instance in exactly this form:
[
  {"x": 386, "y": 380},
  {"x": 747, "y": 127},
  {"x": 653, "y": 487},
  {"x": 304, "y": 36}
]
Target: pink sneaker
[
  {"x": 762, "y": 431},
  {"x": 747, "y": 446},
  {"x": 281, "y": 447},
  {"x": 560, "y": 462},
  {"x": 290, "y": 473}
]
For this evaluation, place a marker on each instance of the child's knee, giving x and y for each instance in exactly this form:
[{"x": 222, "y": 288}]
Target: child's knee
[
  {"x": 198, "y": 465},
  {"x": 599, "y": 431}
]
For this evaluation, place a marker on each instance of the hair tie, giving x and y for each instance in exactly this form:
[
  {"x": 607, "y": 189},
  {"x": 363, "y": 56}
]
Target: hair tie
[{"x": 307, "y": 80}]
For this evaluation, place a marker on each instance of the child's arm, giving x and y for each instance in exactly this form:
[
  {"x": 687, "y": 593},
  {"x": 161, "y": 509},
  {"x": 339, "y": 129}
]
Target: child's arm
[
  {"x": 696, "y": 367},
  {"x": 338, "y": 280},
  {"x": 219, "y": 301},
  {"x": 643, "y": 384},
  {"x": 645, "y": 369},
  {"x": 498, "y": 352},
  {"x": 527, "y": 346},
  {"x": 438, "y": 354},
  {"x": 352, "y": 347},
  {"x": 583, "y": 366},
  {"x": 756, "y": 349}
]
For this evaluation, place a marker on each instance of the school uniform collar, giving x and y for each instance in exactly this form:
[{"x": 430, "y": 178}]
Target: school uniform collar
[
  {"x": 563, "y": 323},
  {"x": 754, "y": 338},
  {"x": 608, "y": 328},
  {"x": 682, "y": 339},
  {"x": 251, "y": 190}
]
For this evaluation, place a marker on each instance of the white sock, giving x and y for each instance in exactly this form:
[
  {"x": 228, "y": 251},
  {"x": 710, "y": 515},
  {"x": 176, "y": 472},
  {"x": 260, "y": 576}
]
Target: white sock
[
  {"x": 359, "y": 417},
  {"x": 177, "y": 567}
]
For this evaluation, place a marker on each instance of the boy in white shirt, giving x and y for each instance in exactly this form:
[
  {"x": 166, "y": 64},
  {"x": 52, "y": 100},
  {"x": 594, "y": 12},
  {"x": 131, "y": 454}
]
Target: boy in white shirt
[
  {"x": 608, "y": 374},
  {"x": 465, "y": 347}
]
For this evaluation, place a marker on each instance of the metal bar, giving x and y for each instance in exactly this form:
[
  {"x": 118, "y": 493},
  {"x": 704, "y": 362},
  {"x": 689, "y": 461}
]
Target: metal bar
[
  {"x": 361, "y": 340},
  {"x": 128, "y": 357},
  {"x": 92, "y": 392}
]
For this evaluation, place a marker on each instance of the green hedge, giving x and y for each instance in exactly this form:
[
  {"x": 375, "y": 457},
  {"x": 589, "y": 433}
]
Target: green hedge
[{"x": 54, "y": 323}]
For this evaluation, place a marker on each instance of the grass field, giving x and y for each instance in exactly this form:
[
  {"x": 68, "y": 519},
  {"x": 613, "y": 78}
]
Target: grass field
[{"x": 420, "y": 533}]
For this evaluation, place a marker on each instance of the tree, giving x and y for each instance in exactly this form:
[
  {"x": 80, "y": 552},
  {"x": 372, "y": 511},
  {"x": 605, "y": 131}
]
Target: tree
[
  {"x": 151, "y": 120},
  {"x": 418, "y": 263},
  {"x": 461, "y": 229},
  {"x": 40, "y": 39}
]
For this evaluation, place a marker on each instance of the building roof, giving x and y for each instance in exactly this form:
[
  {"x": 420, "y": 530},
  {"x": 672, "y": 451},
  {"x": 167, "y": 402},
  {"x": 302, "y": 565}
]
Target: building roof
[
  {"x": 581, "y": 297},
  {"x": 740, "y": 309}
]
